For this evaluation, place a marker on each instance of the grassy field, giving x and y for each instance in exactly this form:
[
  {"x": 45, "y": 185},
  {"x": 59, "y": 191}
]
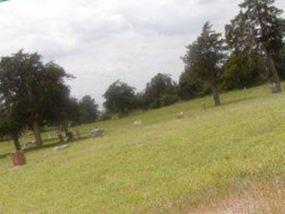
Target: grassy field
[{"x": 165, "y": 166}]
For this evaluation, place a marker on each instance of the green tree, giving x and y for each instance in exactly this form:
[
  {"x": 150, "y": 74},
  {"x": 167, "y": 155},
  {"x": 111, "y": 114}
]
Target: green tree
[
  {"x": 12, "y": 124},
  {"x": 161, "y": 91},
  {"x": 141, "y": 100},
  {"x": 12, "y": 115},
  {"x": 204, "y": 59},
  {"x": 120, "y": 98},
  {"x": 190, "y": 88},
  {"x": 36, "y": 85},
  {"x": 243, "y": 69},
  {"x": 259, "y": 26},
  {"x": 88, "y": 110},
  {"x": 27, "y": 68},
  {"x": 70, "y": 112},
  {"x": 66, "y": 113},
  {"x": 60, "y": 107}
]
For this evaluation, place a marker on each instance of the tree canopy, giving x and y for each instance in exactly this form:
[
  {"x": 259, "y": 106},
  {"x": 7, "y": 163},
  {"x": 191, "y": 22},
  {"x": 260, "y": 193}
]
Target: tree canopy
[
  {"x": 243, "y": 70},
  {"x": 88, "y": 110},
  {"x": 120, "y": 98},
  {"x": 161, "y": 91},
  {"x": 29, "y": 90},
  {"x": 259, "y": 26},
  {"x": 204, "y": 59}
]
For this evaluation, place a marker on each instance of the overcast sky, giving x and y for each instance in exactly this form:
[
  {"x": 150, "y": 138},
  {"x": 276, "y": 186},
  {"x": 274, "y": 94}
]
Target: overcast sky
[{"x": 100, "y": 41}]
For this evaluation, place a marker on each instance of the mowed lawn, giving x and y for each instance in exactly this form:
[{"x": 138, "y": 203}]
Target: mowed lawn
[{"x": 166, "y": 165}]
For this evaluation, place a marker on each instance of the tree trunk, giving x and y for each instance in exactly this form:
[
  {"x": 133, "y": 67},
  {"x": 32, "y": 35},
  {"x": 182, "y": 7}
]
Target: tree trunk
[
  {"x": 60, "y": 137},
  {"x": 37, "y": 133},
  {"x": 269, "y": 58},
  {"x": 65, "y": 127},
  {"x": 216, "y": 94},
  {"x": 16, "y": 143},
  {"x": 277, "y": 88}
]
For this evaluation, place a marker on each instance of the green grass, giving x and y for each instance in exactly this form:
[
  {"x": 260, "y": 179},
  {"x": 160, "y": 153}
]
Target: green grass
[{"x": 166, "y": 165}]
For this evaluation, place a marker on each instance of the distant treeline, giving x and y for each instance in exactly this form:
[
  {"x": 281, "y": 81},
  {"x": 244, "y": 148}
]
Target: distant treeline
[{"x": 239, "y": 71}]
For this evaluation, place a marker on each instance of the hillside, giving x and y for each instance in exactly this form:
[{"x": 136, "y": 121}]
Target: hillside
[{"x": 166, "y": 164}]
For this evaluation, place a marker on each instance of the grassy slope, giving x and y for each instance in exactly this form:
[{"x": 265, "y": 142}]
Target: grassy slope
[{"x": 167, "y": 164}]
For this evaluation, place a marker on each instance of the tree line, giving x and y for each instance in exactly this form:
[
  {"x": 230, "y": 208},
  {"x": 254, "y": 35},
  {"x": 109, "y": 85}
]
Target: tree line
[{"x": 34, "y": 94}]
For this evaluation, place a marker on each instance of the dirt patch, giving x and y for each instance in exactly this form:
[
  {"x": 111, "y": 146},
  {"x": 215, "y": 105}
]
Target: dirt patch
[{"x": 258, "y": 198}]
